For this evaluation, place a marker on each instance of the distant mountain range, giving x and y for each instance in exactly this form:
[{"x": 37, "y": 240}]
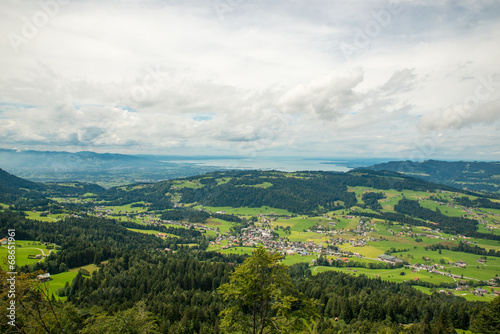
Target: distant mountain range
[
  {"x": 469, "y": 175},
  {"x": 105, "y": 169},
  {"x": 71, "y": 162},
  {"x": 13, "y": 188}
]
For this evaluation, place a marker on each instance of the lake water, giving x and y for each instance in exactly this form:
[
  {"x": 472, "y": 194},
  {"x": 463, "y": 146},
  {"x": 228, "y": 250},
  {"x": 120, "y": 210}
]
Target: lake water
[{"x": 281, "y": 164}]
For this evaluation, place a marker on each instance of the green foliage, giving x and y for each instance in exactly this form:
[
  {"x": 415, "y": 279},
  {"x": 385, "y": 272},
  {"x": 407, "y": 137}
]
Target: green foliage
[
  {"x": 350, "y": 298},
  {"x": 263, "y": 299},
  {"x": 135, "y": 320},
  {"x": 488, "y": 319},
  {"x": 371, "y": 200},
  {"x": 471, "y": 175}
]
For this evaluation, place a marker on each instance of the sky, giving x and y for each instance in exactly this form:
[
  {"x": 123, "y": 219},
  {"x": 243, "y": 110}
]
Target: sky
[{"x": 252, "y": 78}]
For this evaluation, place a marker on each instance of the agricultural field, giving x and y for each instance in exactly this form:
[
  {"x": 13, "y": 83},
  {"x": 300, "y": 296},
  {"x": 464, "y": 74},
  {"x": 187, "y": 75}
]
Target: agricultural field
[
  {"x": 179, "y": 184},
  {"x": 464, "y": 293},
  {"x": 125, "y": 208},
  {"x": 221, "y": 225},
  {"x": 58, "y": 281},
  {"x": 143, "y": 231},
  {"x": 393, "y": 275},
  {"x": 387, "y": 236},
  {"x": 264, "y": 210},
  {"x": 37, "y": 216},
  {"x": 446, "y": 210},
  {"x": 90, "y": 268},
  {"x": 25, "y": 249},
  {"x": 153, "y": 232}
]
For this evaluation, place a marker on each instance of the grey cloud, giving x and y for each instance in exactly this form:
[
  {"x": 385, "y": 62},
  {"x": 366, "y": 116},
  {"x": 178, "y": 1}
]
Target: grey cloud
[
  {"x": 328, "y": 97},
  {"x": 461, "y": 116},
  {"x": 400, "y": 81}
]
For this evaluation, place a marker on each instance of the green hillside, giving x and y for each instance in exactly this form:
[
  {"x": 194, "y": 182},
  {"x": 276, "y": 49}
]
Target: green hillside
[{"x": 469, "y": 175}]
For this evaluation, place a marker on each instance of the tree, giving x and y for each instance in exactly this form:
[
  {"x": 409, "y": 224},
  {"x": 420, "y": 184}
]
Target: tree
[
  {"x": 488, "y": 319},
  {"x": 134, "y": 321},
  {"x": 263, "y": 299},
  {"x": 28, "y": 308}
]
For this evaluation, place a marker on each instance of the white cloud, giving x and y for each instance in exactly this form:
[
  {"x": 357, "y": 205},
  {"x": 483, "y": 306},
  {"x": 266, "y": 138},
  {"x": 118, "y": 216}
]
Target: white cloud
[
  {"x": 460, "y": 116},
  {"x": 172, "y": 76},
  {"x": 328, "y": 97}
]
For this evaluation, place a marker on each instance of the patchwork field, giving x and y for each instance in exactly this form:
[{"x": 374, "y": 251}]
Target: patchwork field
[
  {"x": 25, "y": 249},
  {"x": 264, "y": 210}
]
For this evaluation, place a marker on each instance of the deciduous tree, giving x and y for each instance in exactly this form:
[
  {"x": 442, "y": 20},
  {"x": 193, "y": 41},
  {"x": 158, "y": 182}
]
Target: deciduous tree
[{"x": 262, "y": 298}]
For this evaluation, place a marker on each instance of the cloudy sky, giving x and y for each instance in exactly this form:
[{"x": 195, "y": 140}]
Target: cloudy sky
[{"x": 404, "y": 79}]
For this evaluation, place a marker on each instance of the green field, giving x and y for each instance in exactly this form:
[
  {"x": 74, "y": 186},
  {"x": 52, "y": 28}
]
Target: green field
[
  {"x": 143, "y": 231},
  {"x": 50, "y": 218},
  {"x": 59, "y": 281},
  {"x": 392, "y": 275},
  {"x": 464, "y": 293},
  {"x": 238, "y": 250},
  {"x": 222, "y": 225},
  {"x": 448, "y": 211},
  {"x": 217, "y": 248},
  {"x": 299, "y": 224},
  {"x": 153, "y": 232},
  {"x": 126, "y": 208},
  {"x": 264, "y": 185},
  {"x": 174, "y": 226},
  {"x": 264, "y": 210},
  {"x": 187, "y": 184},
  {"x": 90, "y": 268},
  {"x": 296, "y": 258},
  {"x": 24, "y": 249}
]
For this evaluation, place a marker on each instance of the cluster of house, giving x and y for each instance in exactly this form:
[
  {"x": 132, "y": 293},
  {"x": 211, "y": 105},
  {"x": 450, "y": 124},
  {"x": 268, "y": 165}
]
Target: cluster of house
[
  {"x": 101, "y": 211},
  {"x": 410, "y": 234},
  {"x": 363, "y": 227},
  {"x": 360, "y": 242},
  {"x": 187, "y": 225},
  {"x": 463, "y": 286},
  {"x": 460, "y": 264},
  {"x": 389, "y": 259},
  {"x": 491, "y": 227},
  {"x": 253, "y": 235},
  {"x": 43, "y": 277},
  {"x": 481, "y": 292},
  {"x": 433, "y": 269},
  {"x": 327, "y": 230}
]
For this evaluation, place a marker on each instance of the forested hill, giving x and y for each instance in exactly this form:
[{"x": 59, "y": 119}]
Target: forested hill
[
  {"x": 300, "y": 192},
  {"x": 308, "y": 192},
  {"x": 12, "y": 183},
  {"x": 12, "y": 188},
  {"x": 475, "y": 176}
]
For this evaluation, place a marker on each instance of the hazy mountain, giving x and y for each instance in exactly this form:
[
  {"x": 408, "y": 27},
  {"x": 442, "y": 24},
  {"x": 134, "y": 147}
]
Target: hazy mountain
[
  {"x": 11, "y": 183},
  {"x": 470, "y": 175},
  {"x": 106, "y": 169}
]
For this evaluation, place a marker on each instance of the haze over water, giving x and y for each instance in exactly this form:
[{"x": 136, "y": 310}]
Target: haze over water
[{"x": 288, "y": 164}]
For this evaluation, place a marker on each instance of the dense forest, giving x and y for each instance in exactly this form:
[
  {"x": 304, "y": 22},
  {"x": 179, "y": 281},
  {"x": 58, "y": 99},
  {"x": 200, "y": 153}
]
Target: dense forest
[{"x": 179, "y": 289}]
